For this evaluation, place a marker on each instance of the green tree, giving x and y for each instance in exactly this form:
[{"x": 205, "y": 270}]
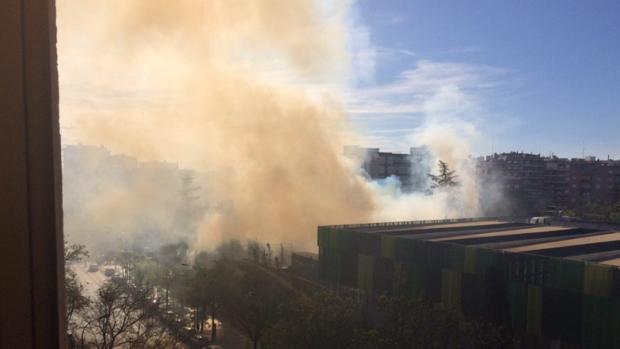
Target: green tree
[
  {"x": 325, "y": 321},
  {"x": 231, "y": 250},
  {"x": 171, "y": 258},
  {"x": 418, "y": 323},
  {"x": 253, "y": 301},
  {"x": 207, "y": 291},
  {"x": 331, "y": 321},
  {"x": 254, "y": 251},
  {"x": 145, "y": 271},
  {"x": 444, "y": 178}
]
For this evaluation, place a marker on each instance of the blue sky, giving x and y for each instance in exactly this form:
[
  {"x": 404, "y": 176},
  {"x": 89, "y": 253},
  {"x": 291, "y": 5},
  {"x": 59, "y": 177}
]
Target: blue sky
[{"x": 537, "y": 76}]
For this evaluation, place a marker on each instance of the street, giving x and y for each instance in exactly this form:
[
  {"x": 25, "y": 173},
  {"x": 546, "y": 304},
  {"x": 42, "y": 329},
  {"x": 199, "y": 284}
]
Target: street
[{"x": 92, "y": 281}]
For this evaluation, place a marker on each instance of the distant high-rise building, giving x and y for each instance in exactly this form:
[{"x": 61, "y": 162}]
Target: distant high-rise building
[
  {"x": 519, "y": 175},
  {"x": 593, "y": 181},
  {"x": 411, "y": 169},
  {"x": 530, "y": 181},
  {"x": 553, "y": 181},
  {"x": 421, "y": 165}
]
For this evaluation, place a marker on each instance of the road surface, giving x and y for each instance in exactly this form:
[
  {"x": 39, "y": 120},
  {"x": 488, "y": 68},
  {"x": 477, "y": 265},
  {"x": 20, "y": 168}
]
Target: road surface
[{"x": 91, "y": 281}]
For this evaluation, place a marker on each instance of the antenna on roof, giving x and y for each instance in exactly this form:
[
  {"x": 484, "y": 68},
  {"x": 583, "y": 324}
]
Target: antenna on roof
[{"x": 583, "y": 149}]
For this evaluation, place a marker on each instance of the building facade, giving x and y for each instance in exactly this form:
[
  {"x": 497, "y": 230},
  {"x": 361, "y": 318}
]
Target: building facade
[
  {"x": 530, "y": 181},
  {"x": 411, "y": 169},
  {"x": 553, "y": 181},
  {"x": 554, "y": 286}
]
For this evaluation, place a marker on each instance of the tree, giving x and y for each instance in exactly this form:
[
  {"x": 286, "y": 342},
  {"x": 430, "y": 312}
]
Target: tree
[
  {"x": 145, "y": 271},
  {"x": 188, "y": 210},
  {"x": 75, "y": 299},
  {"x": 170, "y": 258},
  {"x": 282, "y": 259},
  {"x": 75, "y": 252},
  {"x": 269, "y": 254},
  {"x": 205, "y": 291},
  {"x": 418, "y": 323},
  {"x": 324, "y": 321},
  {"x": 213, "y": 285},
  {"x": 330, "y": 321},
  {"x": 122, "y": 317},
  {"x": 445, "y": 177},
  {"x": 126, "y": 260},
  {"x": 253, "y": 302},
  {"x": 254, "y": 251},
  {"x": 202, "y": 259},
  {"x": 231, "y": 250}
]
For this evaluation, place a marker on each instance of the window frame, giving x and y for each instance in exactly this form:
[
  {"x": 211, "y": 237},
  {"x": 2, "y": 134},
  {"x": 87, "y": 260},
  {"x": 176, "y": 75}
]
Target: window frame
[{"x": 31, "y": 241}]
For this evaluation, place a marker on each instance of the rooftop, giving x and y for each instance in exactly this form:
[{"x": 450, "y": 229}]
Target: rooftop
[{"x": 571, "y": 240}]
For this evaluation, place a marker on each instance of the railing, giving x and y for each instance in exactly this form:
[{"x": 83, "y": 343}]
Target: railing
[{"x": 420, "y": 222}]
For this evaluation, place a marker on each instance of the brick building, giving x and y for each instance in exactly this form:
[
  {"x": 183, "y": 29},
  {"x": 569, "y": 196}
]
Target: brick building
[
  {"x": 517, "y": 172},
  {"x": 592, "y": 181},
  {"x": 560, "y": 182}
]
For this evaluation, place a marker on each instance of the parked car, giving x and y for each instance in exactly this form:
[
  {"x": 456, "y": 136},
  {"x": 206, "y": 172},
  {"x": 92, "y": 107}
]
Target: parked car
[{"x": 93, "y": 268}]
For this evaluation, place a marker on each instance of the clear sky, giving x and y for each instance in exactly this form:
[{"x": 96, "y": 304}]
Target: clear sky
[{"x": 537, "y": 76}]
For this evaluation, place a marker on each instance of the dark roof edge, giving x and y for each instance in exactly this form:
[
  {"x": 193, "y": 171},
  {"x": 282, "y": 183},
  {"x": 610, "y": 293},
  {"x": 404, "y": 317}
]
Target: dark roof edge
[{"x": 424, "y": 222}]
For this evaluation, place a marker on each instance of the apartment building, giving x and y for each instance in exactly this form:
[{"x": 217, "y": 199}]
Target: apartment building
[
  {"x": 411, "y": 169},
  {"x": 560, "y": 182}
]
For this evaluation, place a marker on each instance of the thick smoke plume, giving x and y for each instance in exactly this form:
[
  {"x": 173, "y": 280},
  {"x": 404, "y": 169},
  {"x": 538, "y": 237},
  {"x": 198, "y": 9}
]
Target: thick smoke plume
[
  {"x": 242, "y": 91},
  {"x": 270, "y": 150}
]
